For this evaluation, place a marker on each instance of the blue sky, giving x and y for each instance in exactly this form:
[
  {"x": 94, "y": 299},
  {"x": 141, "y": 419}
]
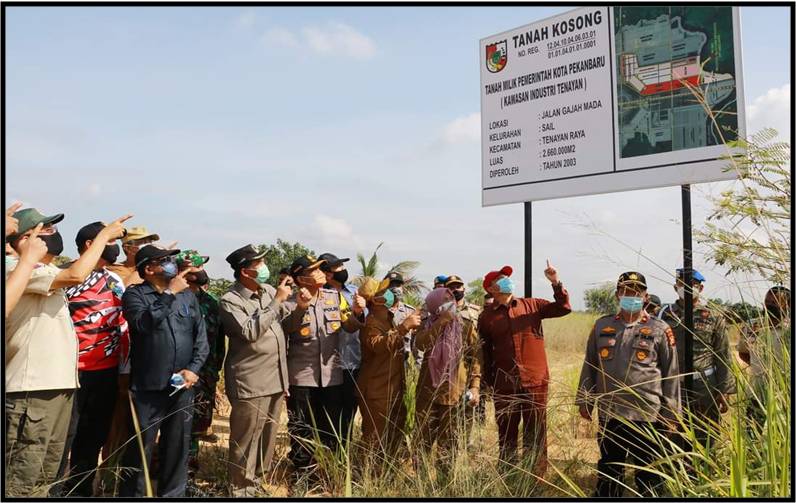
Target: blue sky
[{"x": 337, "y": 127}]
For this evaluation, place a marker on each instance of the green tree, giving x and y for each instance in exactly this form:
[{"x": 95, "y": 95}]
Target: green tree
[
  {"x": 282, "y": 254},
  {"x": 414, "y": 289},
  {"x": 369, "y": 267},
  {"x": 218, "y": 286},
  {"x": 475, "y": 292},
  {"x": 601, "y": 299}
]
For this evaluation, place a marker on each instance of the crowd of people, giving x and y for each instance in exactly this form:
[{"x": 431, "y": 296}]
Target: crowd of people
[{"x": 102, "y": 355}]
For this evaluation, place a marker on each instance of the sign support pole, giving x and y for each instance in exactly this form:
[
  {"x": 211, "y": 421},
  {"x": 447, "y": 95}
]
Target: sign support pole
[
  {"x": 688, "y": 308},
  {"x": 528, "y": 239}
]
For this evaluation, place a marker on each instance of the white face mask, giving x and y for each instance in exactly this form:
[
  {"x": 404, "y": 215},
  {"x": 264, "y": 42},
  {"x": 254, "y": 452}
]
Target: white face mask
[{"x": 681, "y": 293}]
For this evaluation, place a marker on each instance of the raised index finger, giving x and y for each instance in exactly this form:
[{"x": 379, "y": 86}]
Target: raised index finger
[
  {"x": 548, "y": 264},
  {"x": 124, "y": 218},
  {"x": 13, "y": 208}
]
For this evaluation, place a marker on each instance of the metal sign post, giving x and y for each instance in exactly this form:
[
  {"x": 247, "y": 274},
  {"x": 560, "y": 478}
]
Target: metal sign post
[
  {"x": 688, "y": 355},
  {"x": 528, "y": 239}
]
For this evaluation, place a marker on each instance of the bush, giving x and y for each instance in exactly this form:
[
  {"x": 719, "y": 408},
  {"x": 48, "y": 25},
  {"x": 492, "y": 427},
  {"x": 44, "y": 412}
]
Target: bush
[{"x": 601, "y": 299}]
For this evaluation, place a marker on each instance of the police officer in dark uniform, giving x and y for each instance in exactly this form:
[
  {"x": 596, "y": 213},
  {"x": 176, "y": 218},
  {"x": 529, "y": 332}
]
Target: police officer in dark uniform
[
  {"x": 630, "y": 373},
  {"x": 713, "y": 379}
]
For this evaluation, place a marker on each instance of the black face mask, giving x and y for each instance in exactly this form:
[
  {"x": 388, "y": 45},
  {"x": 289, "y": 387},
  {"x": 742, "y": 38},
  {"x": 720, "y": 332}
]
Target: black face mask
[
  {"x": 341, "y": 276},
  {"x": 200, "y": 278},
  {"x": 458, "y": 295},
  {"x": 54, "y": 242},
  {"x": 110, "y": 254}
]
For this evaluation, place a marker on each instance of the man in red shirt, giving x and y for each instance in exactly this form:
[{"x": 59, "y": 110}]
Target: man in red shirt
[
  {"x": 96, "y": 309},
  {"x": 515, "y": 364}
]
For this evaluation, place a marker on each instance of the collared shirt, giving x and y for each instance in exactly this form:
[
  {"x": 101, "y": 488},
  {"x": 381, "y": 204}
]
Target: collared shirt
[
  {"x": 95, "y": 306},
  {"x": 40, "y": 342},
  {"x": 513, "y": 341},
  {"x": 711, "y": 348},
  {"x": 167, "y": 334},
  {"x": 350, "y": 350},
  {"x": 313, "y": 357},
  {"x": 382, "y": 372},
  {"x": 767, "y": 346},
  {"x": 631, "y": 370},
  {"x": 256, "y": 363}
]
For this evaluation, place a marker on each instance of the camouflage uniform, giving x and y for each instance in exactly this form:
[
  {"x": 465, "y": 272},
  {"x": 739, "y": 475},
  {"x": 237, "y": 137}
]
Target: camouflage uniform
[
  {"x": 768, "y": 348},
  {"x": 205, "y": 388},
  {"x": 711, "y": 357},
  {"x": 630, "y": 373}
]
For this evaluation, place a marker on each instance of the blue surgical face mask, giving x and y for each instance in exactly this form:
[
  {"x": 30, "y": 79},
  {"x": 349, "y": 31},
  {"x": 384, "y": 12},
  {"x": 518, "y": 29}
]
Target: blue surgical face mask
[
  {"x": 505, "y": 285},
  {"x": 389, "y": 298},
  {"x": 631, "y": 304},
  {"x": 169, "y": 269}
]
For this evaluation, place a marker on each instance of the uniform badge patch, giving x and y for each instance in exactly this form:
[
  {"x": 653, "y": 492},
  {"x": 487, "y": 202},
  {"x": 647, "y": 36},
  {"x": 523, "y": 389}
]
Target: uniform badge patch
[
  {"x": 604, "y": 352},
  {"x": 305, "y": 331},
  {"x": 670, "y": 336},
  {"x": 641, "y": 355},
  {"x": 645, "y": 331},
  {"x": 335, "y": 325},
  {"x": 611, "y": 342},
  {"x": 608, "y": 330},
  {"x": 329, "y": 302}
]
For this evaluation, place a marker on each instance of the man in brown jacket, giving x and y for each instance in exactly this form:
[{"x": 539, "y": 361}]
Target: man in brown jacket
[
  {"x": 436, "y": 406},
  {"x": 515, "y": 363},
  {"x": 255, "y": 370}
]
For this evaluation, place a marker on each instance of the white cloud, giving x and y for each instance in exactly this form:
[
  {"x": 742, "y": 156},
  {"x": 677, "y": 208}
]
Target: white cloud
[
  {"x": 335, "y": 39},
  {"x": 334, "y": 232},
  {"x": 465, "y": 129},
  {"x": 770, "y": 110},
  {"x": 281, "y": 37},
  {"x": 246, "y": 20}
]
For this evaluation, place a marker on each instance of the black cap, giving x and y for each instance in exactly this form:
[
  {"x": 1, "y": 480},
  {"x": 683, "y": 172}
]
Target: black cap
[
  {"x": 632, "y": 278},
  {"x": 303, "y": 263},
  {"x": 88, "y": 232},
  {"x": 331, "y": 261},
  {"x": 243, "y": 256},
  {"x": 285, "y": 270},
  {"x": 395, "y": 278},
  {"x": 149, "y": 253}
]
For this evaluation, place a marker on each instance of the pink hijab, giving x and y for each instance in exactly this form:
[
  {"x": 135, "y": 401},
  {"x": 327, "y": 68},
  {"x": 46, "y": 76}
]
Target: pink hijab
[{"x": 443, "y": 362}]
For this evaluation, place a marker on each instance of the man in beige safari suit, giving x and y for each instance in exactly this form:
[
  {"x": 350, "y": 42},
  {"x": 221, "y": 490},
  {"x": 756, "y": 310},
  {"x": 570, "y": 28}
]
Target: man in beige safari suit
[{"x": 255, "y": 370}]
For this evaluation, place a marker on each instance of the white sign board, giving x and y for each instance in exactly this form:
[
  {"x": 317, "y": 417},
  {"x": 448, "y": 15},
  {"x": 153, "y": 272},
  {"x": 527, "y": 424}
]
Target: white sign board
[{"x": 607, "y": 99}]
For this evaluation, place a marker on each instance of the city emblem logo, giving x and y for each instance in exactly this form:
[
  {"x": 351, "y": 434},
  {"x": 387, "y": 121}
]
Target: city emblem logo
[{"x": 496, "y": 56}]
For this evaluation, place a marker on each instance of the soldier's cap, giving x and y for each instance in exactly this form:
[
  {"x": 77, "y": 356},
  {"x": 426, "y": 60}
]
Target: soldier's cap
[
  {"x": 330, "y": 261},
  {"x": 695, "y": 275},
  {"x": 138, "y": 233},
  {"x": 440, "y": 280},
  {"x": 148, "y": 253},
  {"x": 191, "y": 258},
  {"x": 491, "y": 276},
  {"x": 304, "y": 263},
  {"x": 454, "y": 280},
  {"x": 632, "y": 278},
  {"x": 88, "y": 232},
  {"x": 29, "y": 218},
  {"x": 395, "y": 278},
  {"x": 654, "y": 300},
  {"x": 371, "y": 288},
  {"x": 243, "y": 256}
]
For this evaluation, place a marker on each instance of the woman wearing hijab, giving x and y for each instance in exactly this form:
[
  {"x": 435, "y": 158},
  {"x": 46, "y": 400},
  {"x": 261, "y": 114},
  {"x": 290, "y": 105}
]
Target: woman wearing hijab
[
  {"x": 381, "y": 376},
  {"x": 451, "y": 367}
]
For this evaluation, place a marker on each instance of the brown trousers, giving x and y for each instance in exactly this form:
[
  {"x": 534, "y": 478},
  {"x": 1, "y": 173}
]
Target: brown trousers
[
  {"x": 440, "y": 423},
  {"x": 37, "y": 423},
  {"x": 530, "y": 406},
  {"x": 253, "y": 426},
  {"x": 383, "y": 420}
]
